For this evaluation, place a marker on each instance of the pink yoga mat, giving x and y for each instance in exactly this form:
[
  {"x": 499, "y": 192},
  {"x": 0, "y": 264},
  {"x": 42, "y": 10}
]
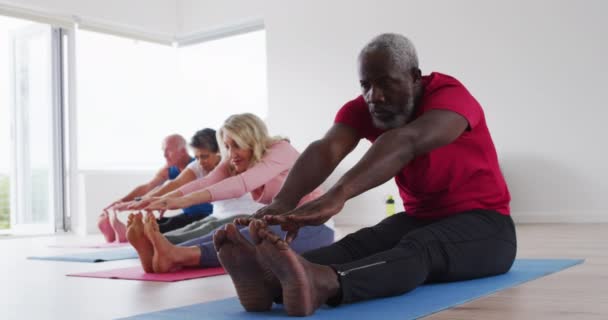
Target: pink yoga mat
[
  {"x": 137, "y": 273},
  {"x": 90, "y": 245}
]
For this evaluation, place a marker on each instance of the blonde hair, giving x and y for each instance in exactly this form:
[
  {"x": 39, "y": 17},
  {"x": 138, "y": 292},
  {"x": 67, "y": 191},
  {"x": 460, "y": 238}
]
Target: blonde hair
[{"x": 248, "y": 132}]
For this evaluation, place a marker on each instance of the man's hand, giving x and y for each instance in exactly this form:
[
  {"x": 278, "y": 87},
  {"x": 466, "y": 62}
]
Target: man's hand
[
  {"x": 165, "y": 204},
  {"x": 275, "y": 208},
  {"x": 112, "y": 205},
  {"x": 141, "y": 204},
  {"x": 314, "y": 213},
  {"x": 123, "y": 206}
]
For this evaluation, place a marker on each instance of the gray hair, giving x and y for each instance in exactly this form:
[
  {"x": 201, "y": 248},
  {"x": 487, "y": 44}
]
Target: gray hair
[
  {"x": 176, "y": 140},
  {"x": 399, "y": 48}
]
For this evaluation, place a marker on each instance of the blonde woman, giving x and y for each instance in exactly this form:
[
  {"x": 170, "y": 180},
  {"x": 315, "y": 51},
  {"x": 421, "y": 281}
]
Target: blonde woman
[{"x": 254, "y": 163}]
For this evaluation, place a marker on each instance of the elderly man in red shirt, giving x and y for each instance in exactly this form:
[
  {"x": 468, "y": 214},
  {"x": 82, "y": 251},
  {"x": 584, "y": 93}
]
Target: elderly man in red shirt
[{"x": 430, "y": 135}]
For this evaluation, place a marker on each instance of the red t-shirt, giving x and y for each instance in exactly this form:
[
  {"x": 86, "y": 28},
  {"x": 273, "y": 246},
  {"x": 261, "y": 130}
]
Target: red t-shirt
[{"x": 461, "y": 176}]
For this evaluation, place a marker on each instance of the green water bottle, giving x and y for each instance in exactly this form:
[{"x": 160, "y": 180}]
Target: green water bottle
[{"x": 390, "y": 206}]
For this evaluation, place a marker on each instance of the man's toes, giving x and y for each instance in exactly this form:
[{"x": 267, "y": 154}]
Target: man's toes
[
  {"x": 270, "y": 236},
  {"x": 254, "y": 229},
  {"x": 242, "y": 221},
  {"x": 234, "y": 234},
  {"x": 219, "y": 238}
]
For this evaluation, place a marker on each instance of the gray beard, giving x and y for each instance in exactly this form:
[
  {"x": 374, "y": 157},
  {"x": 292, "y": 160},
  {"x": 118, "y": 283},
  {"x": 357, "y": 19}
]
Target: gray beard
[{"x": 399, "y": 120}]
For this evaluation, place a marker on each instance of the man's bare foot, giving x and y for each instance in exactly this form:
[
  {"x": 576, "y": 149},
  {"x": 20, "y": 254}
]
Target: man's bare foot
[
  {"x": 137, "y": 238},
  {"x": 104, "y": 226},
  {"x": 255, "y": 285},
  {"x": 168, "y": 257},
  {"x": 305, "y": 285},
  {"x": 119, "y": 227}
]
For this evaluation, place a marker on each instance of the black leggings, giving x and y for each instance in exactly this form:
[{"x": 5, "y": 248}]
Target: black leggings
[
  {"x": 178, "y": 221},
  {"x": 401, "y": 252}
]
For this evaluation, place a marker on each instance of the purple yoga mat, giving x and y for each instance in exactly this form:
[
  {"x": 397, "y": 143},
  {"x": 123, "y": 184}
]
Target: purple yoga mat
[
  {"x": 137, "y": 273},
  {"x": 90, "y": 245}
]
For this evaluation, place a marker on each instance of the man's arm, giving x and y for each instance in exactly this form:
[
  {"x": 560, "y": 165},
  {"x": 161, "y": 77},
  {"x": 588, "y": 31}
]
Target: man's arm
[
  {"x": 161, "y": 176},
  {"x": 317, "y": 162},
  {"x": 396, "y": 148},
  {"x": 173, "y": 200},
  {"x": 184, "y": 177},
  {"x": 392, "y": 151}
]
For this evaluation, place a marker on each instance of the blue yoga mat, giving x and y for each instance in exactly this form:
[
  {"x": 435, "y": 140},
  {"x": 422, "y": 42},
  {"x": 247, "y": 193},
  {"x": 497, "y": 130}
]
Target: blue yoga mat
[
  {"x": 423, "y": 301},
  {"x": 96, "y": 256}
]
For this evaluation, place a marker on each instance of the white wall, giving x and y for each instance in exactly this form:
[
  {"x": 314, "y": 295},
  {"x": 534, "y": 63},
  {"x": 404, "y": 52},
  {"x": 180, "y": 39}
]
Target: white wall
[
  {"x": 99, "y": 188},
  {"x": 153, "y": 19},
  {"x": 538, "y": 68}
]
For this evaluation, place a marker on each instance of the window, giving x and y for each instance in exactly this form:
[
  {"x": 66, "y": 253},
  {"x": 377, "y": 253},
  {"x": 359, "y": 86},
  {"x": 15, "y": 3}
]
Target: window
[
  {"x": 31, "y": 189},
  {"x": 136, "y": 93},
  {"x": 6, "y": 25}
]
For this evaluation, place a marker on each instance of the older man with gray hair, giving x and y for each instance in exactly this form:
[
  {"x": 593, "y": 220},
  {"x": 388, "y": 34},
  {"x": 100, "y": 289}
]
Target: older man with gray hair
[
  {"x": 177, "y": 160},
  {"x": 430, "y": 135}
]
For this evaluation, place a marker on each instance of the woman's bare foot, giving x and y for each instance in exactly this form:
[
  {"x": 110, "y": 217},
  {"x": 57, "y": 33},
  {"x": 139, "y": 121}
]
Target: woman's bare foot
[
  {"x": 119, "y": 228},
  {"x": 255, "y": 285},
  {"x": 137, "y": 238},
  {"x": 104, "y": 226},
  {"x": 305, "y": 285},
  {"x": 168, "y": 257}
]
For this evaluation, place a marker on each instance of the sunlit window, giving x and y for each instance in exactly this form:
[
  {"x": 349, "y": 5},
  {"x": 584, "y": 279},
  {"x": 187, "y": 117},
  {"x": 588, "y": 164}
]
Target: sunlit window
[
  {"x": 131, "y": 93},
  {"x": 27, "y": 130}
]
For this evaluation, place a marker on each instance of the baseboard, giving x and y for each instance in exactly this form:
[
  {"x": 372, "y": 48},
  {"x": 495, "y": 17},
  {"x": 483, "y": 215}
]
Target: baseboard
[
  {"x": 518, "y": 216},
  {"x": 560, "y": 216}
]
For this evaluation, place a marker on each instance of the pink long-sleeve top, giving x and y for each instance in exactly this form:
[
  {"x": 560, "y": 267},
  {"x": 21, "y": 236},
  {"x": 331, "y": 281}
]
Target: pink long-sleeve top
[{"x": 263, "y": 180}]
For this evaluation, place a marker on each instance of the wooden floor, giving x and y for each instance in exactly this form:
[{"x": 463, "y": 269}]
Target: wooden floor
[{"x": 40, "y": 290}]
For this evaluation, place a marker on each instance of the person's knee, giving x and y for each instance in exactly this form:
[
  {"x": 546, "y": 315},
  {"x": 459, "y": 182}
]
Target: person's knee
[{"x": 505, "y": 256}]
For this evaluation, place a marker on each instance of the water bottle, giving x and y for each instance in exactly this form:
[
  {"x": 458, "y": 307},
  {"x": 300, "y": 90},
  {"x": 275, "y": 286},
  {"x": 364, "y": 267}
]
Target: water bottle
[{"x": 390, "y": 206}]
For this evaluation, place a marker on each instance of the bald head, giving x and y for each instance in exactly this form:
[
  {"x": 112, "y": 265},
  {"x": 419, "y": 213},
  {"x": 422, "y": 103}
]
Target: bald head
[
  {"x": 174, "y": 148},
  {"x": 174, "y": 141}
]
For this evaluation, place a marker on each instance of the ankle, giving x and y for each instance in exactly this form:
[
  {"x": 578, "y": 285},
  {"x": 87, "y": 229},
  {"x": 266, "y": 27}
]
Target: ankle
[
  {"x": 328, "y": 283},
  {"x": 189, "y": 256}
]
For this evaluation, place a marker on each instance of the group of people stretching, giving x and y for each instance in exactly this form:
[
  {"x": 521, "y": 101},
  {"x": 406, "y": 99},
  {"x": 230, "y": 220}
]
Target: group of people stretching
[{"x": 271, "y": 227}]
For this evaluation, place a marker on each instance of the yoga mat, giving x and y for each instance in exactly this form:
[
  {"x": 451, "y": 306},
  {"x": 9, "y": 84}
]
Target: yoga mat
[
  {"x": 420, "y": 302},
  {"x": 97, "y": 256},
  {"x": 137, "y": 273},
  {"x": 91, "y": 245}
]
